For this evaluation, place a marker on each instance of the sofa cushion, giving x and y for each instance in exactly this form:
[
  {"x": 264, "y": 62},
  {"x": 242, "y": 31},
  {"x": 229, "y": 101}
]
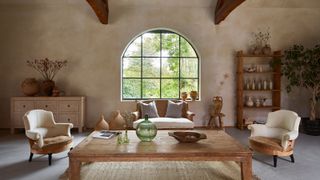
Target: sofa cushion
[
  {"x": 149, "y": 109},
  {"x": 168, "y": 123},
  {"x": 174, "y": 110}
]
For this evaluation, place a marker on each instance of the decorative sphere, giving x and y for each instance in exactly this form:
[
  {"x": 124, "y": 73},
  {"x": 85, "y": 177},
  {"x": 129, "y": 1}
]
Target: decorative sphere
[{"x": 146, "y": 130}]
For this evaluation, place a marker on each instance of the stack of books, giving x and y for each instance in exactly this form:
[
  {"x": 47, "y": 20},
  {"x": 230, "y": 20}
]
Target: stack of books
[{"x": 105, "y": 134}]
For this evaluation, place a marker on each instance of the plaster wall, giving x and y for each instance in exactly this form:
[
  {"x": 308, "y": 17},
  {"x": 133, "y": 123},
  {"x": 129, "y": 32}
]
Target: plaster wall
[{"x": 70, "y": 30}]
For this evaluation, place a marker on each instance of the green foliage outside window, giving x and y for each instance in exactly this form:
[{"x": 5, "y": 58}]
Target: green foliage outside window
[{"x": 159, "y": 64}]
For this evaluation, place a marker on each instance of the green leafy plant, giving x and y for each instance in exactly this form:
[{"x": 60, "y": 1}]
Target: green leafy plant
[{"x": 301, "y": 66}]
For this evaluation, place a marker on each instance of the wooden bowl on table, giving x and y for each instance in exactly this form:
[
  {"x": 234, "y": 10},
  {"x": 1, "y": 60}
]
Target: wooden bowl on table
[{"x": 187, "y": 137}]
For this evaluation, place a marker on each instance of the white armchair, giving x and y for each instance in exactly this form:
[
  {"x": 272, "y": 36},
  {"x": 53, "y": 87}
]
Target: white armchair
[
  {"x": 277, "y": 136},
  {"x": 45, "y": 135}
]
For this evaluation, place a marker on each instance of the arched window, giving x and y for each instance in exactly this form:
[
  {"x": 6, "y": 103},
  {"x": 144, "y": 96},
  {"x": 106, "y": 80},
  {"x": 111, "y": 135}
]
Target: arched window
[{"x": 159, "y": 64}]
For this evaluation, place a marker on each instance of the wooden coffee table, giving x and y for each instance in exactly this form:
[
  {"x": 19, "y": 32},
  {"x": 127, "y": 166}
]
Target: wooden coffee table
[{"x": 218, "y": 146}]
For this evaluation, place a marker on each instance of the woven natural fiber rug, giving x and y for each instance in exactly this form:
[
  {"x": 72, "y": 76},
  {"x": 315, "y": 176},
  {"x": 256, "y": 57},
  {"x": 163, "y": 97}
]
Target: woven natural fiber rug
[{"x": 162, "y": 170}]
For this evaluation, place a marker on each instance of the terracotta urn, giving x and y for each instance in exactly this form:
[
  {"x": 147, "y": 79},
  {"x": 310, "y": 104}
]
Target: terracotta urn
[
  {"x": 47, "y": 87},
  {"x": 184, "y": 96},
  {"x": 102, "y": 124},
  {"x": 117, "y": 121},
  {"x": 194, "y": 95},
  {"x": 30, "y": 87}
]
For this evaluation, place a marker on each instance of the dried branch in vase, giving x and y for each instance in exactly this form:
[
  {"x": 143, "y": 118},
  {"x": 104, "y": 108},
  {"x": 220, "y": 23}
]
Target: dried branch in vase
[{"x": 47, "y": 68}]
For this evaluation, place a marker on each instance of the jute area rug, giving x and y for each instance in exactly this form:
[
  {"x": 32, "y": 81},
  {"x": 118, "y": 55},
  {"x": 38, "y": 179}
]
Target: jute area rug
[{"x": 162, "y": 170}]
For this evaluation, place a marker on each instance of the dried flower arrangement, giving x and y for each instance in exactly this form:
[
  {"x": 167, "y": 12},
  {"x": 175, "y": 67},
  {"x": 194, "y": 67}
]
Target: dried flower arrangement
[
  {"x": 47, "y": 68},
  {"x": 261, "y": 42}
]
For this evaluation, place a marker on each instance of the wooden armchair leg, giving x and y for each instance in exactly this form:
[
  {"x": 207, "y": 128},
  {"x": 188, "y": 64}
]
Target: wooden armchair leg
[
  {"x": 30, "y": 157},
  {"x": 50, "y": 158},
  {"x": 292, "y": 158},
  {"x": 275, "y": 158}
]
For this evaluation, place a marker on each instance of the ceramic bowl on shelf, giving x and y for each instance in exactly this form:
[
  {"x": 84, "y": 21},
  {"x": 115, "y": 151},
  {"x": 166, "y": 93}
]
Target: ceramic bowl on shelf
[{"x": 187, "y": 137}]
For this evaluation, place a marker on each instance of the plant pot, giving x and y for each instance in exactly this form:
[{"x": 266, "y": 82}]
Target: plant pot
[
  {"x": 47, "y": 87},
  {"x": 184, "y": 96},
  {"x": 30, "y": 87},
  {"x": 194, "y": 95},
  {"x": 310, "y": 127}
]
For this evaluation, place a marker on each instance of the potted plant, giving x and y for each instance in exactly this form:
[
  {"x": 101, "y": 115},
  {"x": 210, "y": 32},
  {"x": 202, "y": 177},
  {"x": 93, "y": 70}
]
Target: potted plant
[
  {"x": 301, "y": 66},
  {"x": 48, "y": 69}
]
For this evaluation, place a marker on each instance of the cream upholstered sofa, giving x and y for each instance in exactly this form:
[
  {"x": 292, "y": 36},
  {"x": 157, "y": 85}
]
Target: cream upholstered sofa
[
  {"x": 277, "y": 136},
  {"x": 163, "y": 122},
  {"x": 45, "y": 135}
]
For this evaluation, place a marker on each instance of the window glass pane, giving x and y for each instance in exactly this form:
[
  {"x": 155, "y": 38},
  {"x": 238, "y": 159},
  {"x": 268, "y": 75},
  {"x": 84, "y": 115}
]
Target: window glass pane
[
  {"x": 134, "y": 48},
  {"x": 170, "y": 45},
  {"x": 131, "y": 67},
  {"x": 151, "y": 44},
  {"x": 186, "y": 49},
  {"x": 170, "y": 67},
  {"x": 131, "y": 88},
  {"x": 189, "y": 67},
  {"x": 151, "y": 88},
  {"x": 151, "y": 67},
  {"x": 170, "y": 88},
  {"x": 188, "y": 85}
]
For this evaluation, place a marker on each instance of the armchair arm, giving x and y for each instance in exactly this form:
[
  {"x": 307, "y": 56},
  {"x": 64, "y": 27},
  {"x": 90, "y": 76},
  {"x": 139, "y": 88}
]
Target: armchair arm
[
  {"x": 63, "y": 128},
  {"x": 258, "y": 130},
  {"x": 292, "y": 135},
  {"x": 190, "y": 115},
  {"x": 35, "y": 136},
  {"x": 136, "y": 115}
]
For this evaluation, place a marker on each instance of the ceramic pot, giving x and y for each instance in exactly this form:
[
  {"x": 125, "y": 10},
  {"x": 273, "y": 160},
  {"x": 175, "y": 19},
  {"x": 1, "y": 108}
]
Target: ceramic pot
[
  {"x": 102, "y": 124},
  {"x": 184, "y": 96},
  {"x": 249, "y": 101},
  {"x": 194, "y": 95},
  {"x": 30, "y": 87},
  {"x": 117, "y": 121},
  {"x": 256, "y": 50},
  {"x": 146, "y": 130},
  {"x": 266, "y": 49},
  {"x": 47, "y": 87}
]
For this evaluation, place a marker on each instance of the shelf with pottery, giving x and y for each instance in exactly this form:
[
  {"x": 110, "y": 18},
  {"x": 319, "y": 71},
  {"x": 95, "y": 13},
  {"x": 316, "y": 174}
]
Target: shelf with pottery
[{"x": 257, "y": 82}]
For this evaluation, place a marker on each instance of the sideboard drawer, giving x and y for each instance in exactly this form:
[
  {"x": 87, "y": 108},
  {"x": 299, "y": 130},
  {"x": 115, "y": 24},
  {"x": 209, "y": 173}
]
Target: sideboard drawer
[
  {"x": 47, "y": 105},
  {"x": 68, "y": 118},
  {"x": 23, "y": 106},
  {"x": 69, "y": 106}
]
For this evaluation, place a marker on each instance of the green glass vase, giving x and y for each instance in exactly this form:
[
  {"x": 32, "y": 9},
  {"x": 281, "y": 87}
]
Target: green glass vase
[{"x": 146, "y": 130}]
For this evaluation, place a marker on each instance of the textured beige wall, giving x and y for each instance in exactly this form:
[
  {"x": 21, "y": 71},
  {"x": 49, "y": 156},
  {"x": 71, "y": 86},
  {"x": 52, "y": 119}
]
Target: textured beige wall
[{"x": 69, "y": 29}]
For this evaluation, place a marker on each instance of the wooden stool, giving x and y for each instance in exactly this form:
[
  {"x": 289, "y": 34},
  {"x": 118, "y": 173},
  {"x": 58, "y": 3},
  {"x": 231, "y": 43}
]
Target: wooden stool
[
  {"x": 216, "y": 112},
  {"x": 271, "y": 146}
]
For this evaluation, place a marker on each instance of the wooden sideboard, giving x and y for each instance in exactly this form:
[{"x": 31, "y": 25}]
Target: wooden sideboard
[{"x": 69, "y": 109}]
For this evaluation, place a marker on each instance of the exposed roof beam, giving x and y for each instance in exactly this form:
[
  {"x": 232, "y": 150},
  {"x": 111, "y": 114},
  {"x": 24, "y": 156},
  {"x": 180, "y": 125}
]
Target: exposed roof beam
[
  {"x": 224, "y": 8},
  {"x": 100, "y": 7}
]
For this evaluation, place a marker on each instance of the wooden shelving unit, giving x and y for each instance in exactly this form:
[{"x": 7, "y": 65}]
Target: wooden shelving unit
[{"x": 274, "y": 74}]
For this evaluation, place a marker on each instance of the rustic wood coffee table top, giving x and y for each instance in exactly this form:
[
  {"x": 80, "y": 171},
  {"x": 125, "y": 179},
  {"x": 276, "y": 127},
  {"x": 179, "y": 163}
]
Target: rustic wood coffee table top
[{"x": 218, "y": 146}]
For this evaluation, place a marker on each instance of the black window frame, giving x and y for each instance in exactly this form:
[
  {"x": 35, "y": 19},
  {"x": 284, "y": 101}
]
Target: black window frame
[{"x": 141, "y": 78}]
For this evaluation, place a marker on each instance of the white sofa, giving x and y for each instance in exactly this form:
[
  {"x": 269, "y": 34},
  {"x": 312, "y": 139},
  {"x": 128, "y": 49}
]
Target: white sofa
[{"x": 162, "y": 122}]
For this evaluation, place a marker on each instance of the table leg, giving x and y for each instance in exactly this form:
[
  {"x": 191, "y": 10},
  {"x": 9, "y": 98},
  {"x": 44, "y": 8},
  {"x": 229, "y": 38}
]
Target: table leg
[
  {"x": 246, "y": 168},
  {"x": 74, "y": 169}
]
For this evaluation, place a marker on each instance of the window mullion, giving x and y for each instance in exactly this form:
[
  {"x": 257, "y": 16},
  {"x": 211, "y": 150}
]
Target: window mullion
[{"x": 141, "y": 86}]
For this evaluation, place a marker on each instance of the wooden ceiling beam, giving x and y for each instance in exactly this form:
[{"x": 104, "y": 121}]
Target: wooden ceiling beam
[
  {"x": 101, "y": 8},
  {"x": 224, "y": 8}
]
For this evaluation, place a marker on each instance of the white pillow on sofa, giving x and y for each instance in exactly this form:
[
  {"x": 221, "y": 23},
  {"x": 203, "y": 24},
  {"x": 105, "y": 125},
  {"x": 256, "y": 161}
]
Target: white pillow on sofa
[
  {"x": 174, "y": 110},
  {"x": 149, "y": 109}
]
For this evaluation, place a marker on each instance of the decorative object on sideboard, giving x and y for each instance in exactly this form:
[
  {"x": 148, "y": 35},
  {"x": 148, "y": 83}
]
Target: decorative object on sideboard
[
  {"x": 117, "y": 121},
  {"x": 55, "y": 92},
  {"x": 30, "y": 87},
  {"x": 261, "y": 44},
  {"x": 194, "y": 95},
  {"x": 146, "y": 130},
  {"x": 102, "y": 124},
  {"x": 48, "y": 69},
  {"x": 184, "y": 96}
]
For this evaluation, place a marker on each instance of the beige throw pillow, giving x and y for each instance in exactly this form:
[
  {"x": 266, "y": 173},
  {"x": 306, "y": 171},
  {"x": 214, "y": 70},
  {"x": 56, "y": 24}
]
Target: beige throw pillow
[
  {"x": 174, "y": 110},
  {"x": 149, "y": 109}
]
